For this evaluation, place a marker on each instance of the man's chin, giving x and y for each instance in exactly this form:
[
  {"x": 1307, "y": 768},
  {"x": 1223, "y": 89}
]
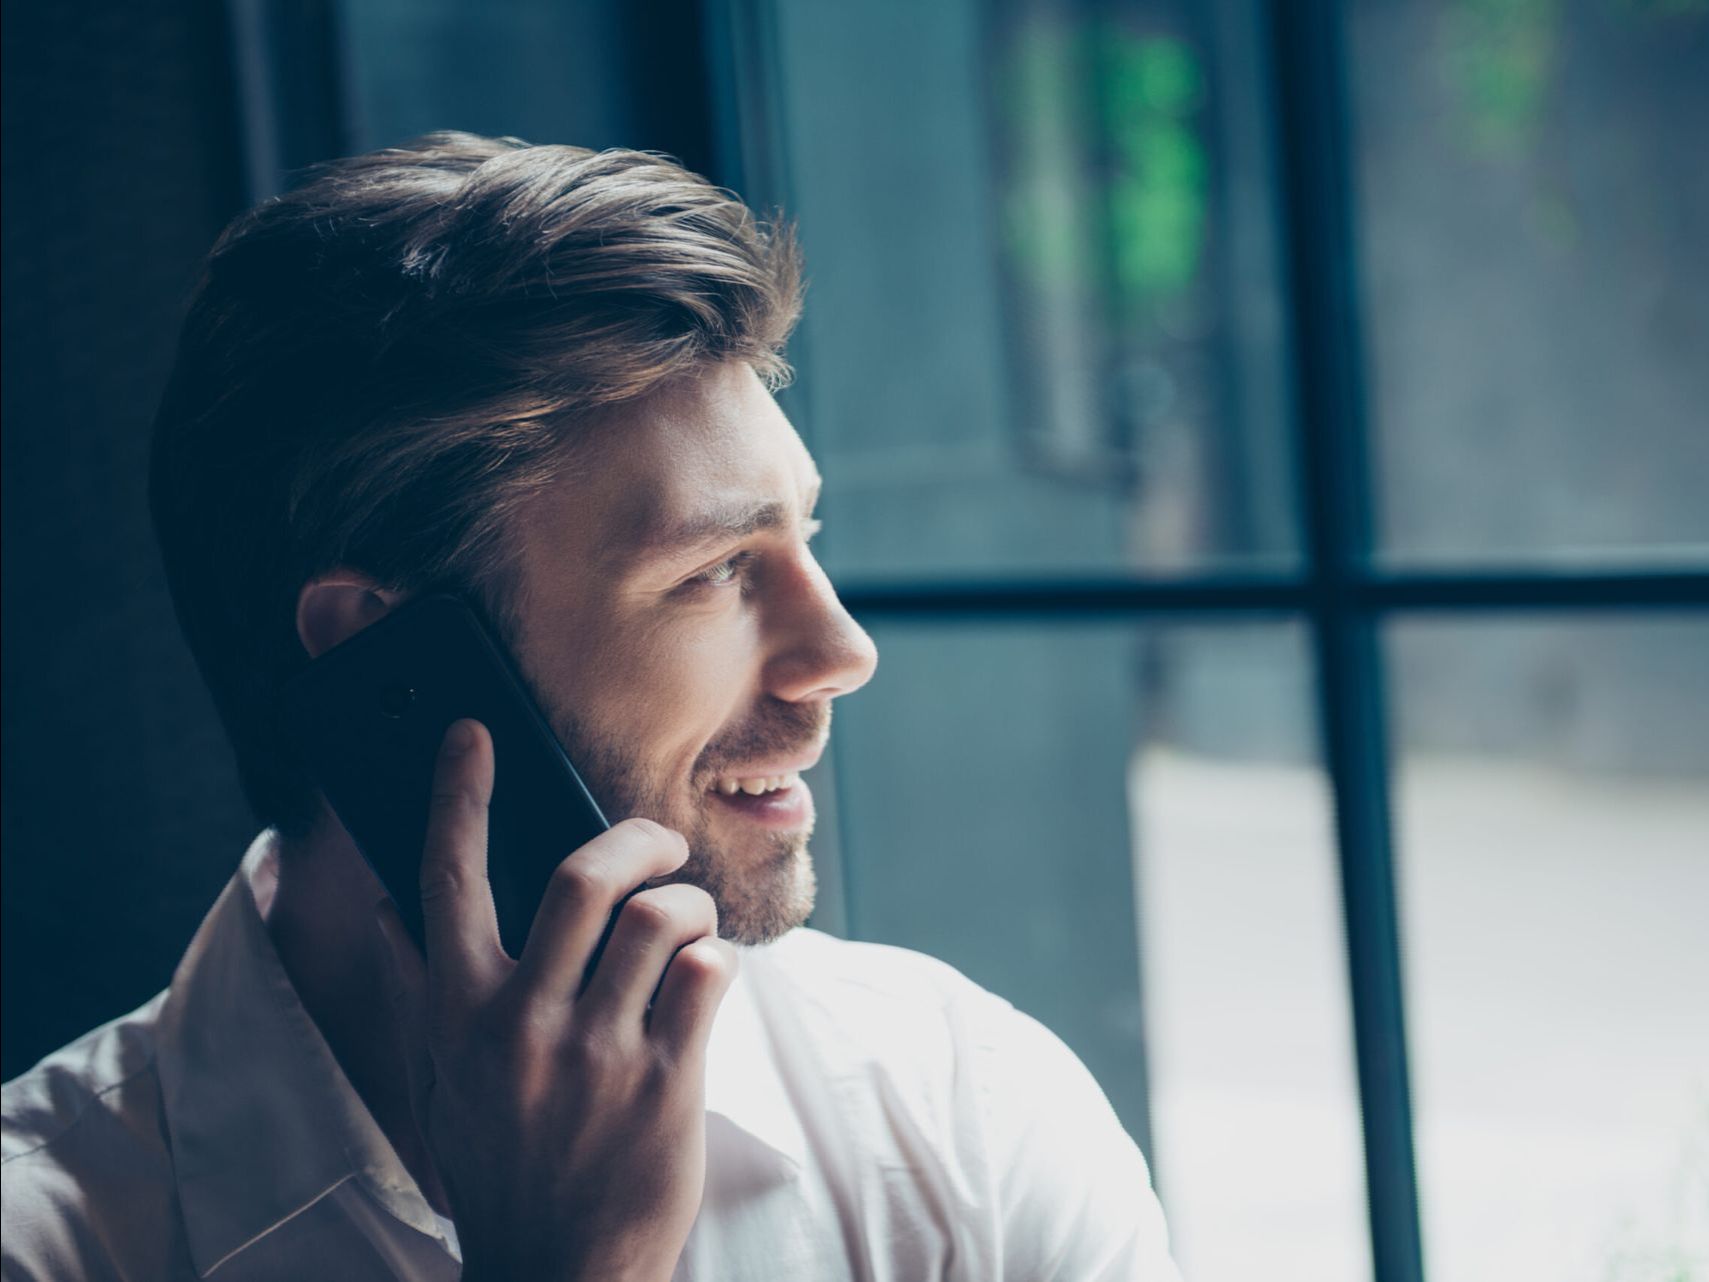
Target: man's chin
[{"x": 757, "y": 905}]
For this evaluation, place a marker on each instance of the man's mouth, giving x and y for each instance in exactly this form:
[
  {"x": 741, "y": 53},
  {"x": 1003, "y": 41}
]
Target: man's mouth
[
  {"x": 772, "y": 773},
  {"x": 779, "y": 801},
  {"x": 754, "y": 785}
]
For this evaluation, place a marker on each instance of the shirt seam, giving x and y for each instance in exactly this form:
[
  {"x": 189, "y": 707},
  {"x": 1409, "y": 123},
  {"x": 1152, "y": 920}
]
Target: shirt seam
[
  {"x": 83, "y": 1110},
  {"x": 278, "y": 1224}
]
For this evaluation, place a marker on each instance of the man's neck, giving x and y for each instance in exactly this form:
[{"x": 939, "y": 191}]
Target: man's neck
[{"x": 322, "y": 923}]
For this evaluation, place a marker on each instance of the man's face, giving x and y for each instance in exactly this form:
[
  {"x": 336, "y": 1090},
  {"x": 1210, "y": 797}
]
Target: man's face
[{"x": 684, "y": 641}]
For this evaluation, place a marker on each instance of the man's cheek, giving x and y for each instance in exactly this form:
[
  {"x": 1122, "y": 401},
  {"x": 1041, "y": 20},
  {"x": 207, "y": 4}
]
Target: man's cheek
[
  {"x": 692, "y": 694},
  {"x": 624, "y": 688}
]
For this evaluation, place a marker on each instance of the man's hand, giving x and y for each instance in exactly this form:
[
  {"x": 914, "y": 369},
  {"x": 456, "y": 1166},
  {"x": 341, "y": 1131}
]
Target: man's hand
[{"x": 566, "y": 1119}]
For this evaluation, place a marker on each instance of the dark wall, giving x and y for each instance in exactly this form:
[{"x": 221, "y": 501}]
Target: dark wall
[
  {"x": 121, "y": 813},
  {"x": 132, "y": 133}
]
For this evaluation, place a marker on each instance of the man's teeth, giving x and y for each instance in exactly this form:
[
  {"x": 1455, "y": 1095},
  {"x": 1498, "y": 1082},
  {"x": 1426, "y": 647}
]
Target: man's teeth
[{"x": 755, "y": 786}]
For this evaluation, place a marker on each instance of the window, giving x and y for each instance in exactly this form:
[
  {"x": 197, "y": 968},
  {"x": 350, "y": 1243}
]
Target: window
[{"x": 1270, "y": 458}]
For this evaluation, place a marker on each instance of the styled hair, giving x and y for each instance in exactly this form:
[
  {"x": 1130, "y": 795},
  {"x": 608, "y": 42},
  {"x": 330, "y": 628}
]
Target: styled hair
[{"x": 379, "y": 367}]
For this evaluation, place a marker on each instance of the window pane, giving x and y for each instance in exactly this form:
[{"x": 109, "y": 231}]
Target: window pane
[
  {"x": 1254, "y": 1100},
  {"x": 1554, "y": 833},
  {"x": 1533, "y": 195},
  {"x": 1008, "y": 794},
  {"x": 1043, "y": 329},
  {"x": 539, "y": 69}
]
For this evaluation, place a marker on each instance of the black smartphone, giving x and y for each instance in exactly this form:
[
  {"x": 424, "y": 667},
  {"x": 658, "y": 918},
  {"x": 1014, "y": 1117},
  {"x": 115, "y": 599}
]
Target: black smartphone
[{"x": 367, "y": 718}]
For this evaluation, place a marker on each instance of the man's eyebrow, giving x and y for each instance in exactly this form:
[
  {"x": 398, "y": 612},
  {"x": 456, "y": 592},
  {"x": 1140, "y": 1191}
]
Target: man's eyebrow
[{"x": 655, "y": 537}]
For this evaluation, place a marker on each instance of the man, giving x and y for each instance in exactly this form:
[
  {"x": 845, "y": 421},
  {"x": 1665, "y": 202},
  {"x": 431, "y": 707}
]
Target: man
[{"x": 538, "y": 377}]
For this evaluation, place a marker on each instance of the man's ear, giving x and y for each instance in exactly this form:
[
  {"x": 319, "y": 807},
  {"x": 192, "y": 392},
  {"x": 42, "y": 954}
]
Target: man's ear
[{"x": 337, "y": 605}]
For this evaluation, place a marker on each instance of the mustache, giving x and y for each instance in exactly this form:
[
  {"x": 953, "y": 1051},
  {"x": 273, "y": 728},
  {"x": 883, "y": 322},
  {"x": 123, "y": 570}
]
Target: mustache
[{"x": 780, "y": 729}]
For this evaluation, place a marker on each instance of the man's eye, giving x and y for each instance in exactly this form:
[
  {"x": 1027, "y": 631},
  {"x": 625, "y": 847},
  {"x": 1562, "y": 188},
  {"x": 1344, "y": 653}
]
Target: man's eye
[
  {"x": 724, "y": 573},
  {"x": 731, "y": 571}
]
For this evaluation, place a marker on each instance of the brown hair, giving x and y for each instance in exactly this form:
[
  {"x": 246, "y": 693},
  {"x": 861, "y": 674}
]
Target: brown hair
[{"x": 378, "y": 367}]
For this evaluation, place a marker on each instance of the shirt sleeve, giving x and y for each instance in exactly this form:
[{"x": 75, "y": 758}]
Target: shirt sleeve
[{"x": 1074, "y": 1195}]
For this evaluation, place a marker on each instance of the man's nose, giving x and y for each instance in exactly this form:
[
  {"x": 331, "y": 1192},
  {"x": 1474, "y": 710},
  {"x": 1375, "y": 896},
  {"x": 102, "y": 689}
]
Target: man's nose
[{"x": 821, "y": 651}]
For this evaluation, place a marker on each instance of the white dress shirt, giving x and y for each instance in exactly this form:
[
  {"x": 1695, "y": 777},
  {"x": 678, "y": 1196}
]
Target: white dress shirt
[{"x": 871, "y": 1114}]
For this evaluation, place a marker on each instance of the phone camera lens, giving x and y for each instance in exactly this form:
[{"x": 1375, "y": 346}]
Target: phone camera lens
[{"x": 395, "y": 700}]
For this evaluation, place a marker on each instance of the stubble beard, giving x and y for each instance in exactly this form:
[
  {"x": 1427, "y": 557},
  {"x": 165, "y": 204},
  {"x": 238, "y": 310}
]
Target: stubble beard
[{"x": 763, "y": 889}]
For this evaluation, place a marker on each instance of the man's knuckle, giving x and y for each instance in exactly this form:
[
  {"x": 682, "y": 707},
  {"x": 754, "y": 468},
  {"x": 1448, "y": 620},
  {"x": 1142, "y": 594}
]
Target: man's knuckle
[
  {"x": 519, "y": 1038},
  {"x": 704, "y": 963},
  {"x": 659, "y": 1072},
  {"x": 595, "y": 1052},
  {"x": 442, "y": 885},
  {"x": 649, "y": 914},
  {"x": 453, "y": 802},
  {"x": 582, "y": 880}
]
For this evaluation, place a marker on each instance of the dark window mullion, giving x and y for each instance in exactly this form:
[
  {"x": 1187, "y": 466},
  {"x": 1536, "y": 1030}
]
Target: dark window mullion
[{"x": 1328, "y": 414}]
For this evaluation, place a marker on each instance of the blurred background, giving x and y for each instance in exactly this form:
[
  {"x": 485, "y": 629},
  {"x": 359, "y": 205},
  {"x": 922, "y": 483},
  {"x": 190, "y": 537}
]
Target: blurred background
[{"x": 1268, "y": 445}]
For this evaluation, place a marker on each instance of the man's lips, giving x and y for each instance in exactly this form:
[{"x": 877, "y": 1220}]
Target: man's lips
[
  {"x": 789, "y": 808},
  {"x": 767, "y": 768}
]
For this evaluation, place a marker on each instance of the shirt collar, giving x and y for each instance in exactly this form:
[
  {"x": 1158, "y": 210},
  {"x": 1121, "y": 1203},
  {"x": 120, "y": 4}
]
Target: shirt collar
[{"x": 263, "y": 1121}]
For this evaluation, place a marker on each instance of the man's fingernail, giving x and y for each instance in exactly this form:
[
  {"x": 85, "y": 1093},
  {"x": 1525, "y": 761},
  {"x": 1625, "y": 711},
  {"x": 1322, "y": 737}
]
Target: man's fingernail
[{"x": 458, "y": 739}]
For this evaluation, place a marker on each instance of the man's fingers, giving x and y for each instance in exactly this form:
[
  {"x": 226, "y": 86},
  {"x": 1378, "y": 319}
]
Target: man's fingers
[
  {"x": 650, "y": 929},
  {"x": 695, "y": 983},
  {"x": 579, "y": 901},
  {"x": 464, "y": 955}
]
